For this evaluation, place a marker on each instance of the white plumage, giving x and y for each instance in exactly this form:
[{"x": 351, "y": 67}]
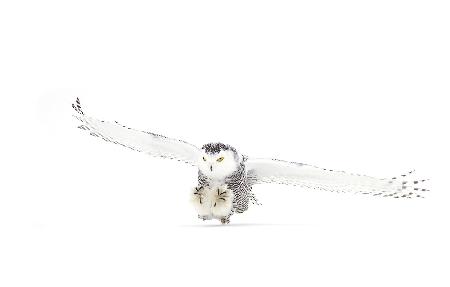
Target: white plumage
[
  {"x": 146, "y": 142},
  {"x": 226, "y": 177},
  {"x": 291, "y": 173}
]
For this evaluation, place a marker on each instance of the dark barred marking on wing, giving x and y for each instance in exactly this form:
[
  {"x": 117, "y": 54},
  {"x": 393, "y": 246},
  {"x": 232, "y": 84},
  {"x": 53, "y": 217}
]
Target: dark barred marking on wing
[{"x": 242, "y": 189}]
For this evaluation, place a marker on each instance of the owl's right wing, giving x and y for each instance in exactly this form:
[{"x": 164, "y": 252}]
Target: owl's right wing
[
  {"x": 308, "y": 176},
  {"x": 146, "y": 142}
]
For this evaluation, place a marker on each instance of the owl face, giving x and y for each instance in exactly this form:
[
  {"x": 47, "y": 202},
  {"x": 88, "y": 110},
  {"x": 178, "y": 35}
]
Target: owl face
[{"x": 218, "y": 162}]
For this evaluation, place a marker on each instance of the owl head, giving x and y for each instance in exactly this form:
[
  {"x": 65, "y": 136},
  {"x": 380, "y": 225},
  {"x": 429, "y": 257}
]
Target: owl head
[{"x": 219, "y": 160}]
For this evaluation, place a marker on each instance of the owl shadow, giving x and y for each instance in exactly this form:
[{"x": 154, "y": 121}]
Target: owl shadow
[{"x": 241, "y": 225}]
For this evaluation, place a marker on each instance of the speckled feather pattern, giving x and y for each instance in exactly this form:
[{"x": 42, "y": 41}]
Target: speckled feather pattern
[{"x": 240, "y": 184}]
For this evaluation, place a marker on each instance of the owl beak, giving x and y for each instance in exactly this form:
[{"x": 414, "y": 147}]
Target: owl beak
[{"x": 210, "y": 167}]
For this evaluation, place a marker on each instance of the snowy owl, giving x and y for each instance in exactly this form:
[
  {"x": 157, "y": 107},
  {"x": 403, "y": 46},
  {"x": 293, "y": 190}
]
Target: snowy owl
[{"x": 226, "y": 177}]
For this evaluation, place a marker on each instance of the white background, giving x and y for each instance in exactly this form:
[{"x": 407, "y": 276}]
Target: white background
[{"x": 351, "y": 85}]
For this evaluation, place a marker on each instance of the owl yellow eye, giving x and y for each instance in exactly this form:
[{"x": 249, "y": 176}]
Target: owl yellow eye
[
  {"x": 220, "y": 159},
  {"x": 204, "y": 159}
]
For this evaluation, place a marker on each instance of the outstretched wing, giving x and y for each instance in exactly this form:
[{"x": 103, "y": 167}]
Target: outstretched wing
[
  {"x": 292, "y": 173},
  {"x": 146, "y": 142}
]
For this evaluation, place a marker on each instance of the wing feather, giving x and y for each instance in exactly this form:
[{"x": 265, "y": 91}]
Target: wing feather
[
  {"x": 142, "y": 141},
  {"x": 292, "y": 173}
]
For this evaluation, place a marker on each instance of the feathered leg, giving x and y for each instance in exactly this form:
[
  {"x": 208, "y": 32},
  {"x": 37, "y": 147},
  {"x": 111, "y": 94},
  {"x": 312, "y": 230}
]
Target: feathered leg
[
  {"x": 222, "y": 204},
  {"x": 213, "y": 203},
  {"x": 201, "y": 202}
]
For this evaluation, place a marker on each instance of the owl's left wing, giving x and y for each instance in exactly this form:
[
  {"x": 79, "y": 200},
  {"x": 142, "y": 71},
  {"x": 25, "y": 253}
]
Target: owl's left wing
[
  {"x": 292, "y": 173},
  {"x": 146, "y": 142}
]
